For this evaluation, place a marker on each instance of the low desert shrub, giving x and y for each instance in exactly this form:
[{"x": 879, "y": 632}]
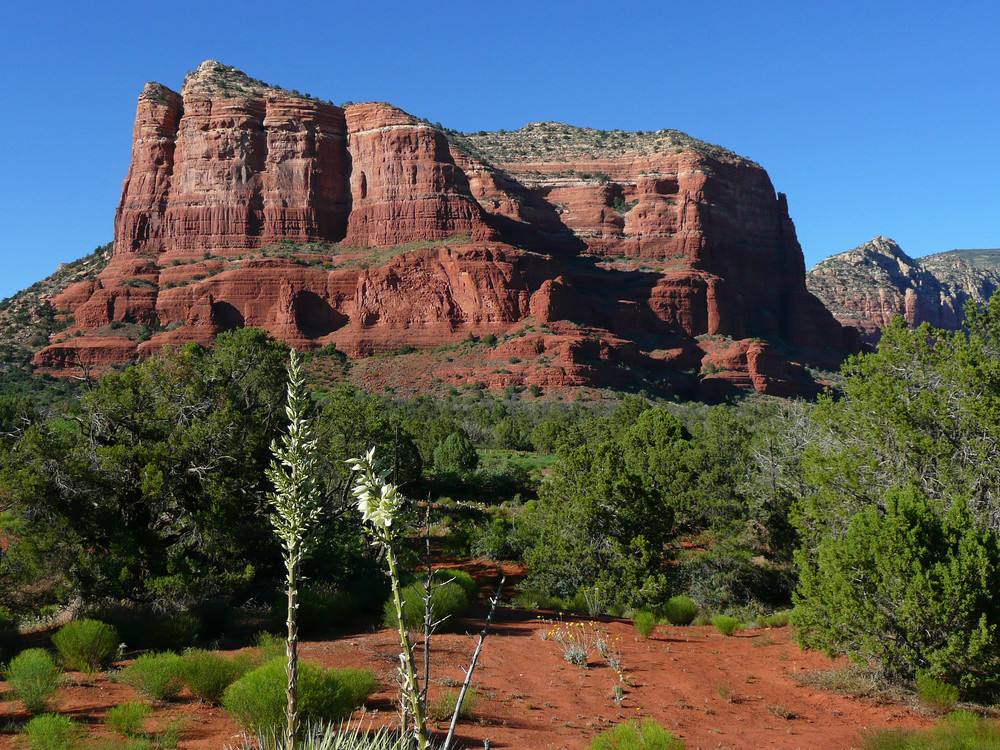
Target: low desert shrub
[
  {"x": 632, "y": 736},
  {"x": 778, "y": 619},
  {"x": 443, "y": 707},
  {"x": 725, "y": 624},
  {"x": 128, "y": 718},
  {"x": 154, "y": 675},
  {"x": 86, "y": 645},
  {"x": 257, "y": 700},
  {"x": 680, "y": 610},
  {"x": 959, "y": 730},
  {"x": 645, "y": 623},
  {"x": 936, "y": 695},
  {"x": 33, "y": 678},
  {"x": 51, "y": 732},
  {"x": 208, "y": 673},
  {"x": 448, "y": 601},
  {"x": 460, "y": 577}
]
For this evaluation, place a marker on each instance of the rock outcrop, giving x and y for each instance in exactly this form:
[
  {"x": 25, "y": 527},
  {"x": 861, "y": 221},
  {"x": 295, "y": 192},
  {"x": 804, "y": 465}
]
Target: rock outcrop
[
  {"x": 868, "y": 286},
  {"x": 364, "y": 227}
]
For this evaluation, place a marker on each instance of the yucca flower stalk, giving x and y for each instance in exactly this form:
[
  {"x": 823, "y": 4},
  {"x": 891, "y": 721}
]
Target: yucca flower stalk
[
  {"x": 296, "y": 508},
  {"x": 379, "y": 501}
]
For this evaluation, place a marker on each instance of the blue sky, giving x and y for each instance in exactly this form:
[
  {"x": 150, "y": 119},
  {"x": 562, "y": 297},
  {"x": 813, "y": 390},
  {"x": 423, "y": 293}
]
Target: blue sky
[{"x": 873, "y": 117}]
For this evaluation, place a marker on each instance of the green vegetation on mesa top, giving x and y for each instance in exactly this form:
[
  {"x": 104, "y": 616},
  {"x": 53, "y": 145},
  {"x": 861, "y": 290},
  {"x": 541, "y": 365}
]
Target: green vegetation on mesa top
[
  {"x": 556, "y": 141},
  {"x": 212, "y": 78}
]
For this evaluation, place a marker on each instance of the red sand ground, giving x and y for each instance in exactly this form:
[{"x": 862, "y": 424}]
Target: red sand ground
[{"x": 711, "y": 690}]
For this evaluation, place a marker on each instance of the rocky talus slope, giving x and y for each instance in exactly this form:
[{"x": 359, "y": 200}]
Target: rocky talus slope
[
  {"x": 591, "y": 255},
  {"x": 868, "y": 286}
]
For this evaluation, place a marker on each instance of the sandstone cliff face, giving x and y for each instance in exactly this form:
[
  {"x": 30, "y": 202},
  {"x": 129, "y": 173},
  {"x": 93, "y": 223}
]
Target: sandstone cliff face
[
  {"x": 868, "y": 286},
  {"x": 249, "y": 205}
]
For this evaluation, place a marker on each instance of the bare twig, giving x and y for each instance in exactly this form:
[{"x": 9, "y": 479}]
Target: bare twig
[{"x": 472, "y": 665}]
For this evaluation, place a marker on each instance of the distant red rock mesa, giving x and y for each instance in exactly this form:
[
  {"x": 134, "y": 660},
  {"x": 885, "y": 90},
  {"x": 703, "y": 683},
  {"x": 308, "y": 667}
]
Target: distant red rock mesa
[{"x": 616, "y": 256}]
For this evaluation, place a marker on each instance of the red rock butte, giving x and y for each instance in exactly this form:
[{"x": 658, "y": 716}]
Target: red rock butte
[{"x": 363, "y": 227}]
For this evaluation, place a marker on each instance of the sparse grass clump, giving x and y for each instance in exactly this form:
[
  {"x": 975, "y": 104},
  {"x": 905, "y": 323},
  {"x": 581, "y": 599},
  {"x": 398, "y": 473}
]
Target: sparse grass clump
[
  {"x": 646, "y": 736},
  {"x": 680, "y": 610},
  {"x": 86, "y": 645},
  {"x": 128, "y": 718},
  {"x": 936, "y": 695},
  {"x": 257, "y": 700},
  {"x": 443, "y": 707},
  {"x": 645, "y": 623},
  {"x": 154, "y": 675},
  {"x": 51, "y": 732},
  {"x": 725, "y": 624},
  {"x": 34, "y": 677}
]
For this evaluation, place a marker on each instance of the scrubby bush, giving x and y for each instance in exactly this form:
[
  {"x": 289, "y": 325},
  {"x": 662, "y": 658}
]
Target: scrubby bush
[
  {"x": 8, "y": 633},
  {"x": 154, "y": 675},
  {"x": 461, "y": 577},
  {"x": 33, "y": 678},
  {"x": 208, "y": 673},
  {"x": 960, "y": 730},
  {"x": 318, "y": 610},
  {"x": 456, "y": 455},
  {"x": 51, "y": 732},
  {"x": 632, "y": 736},
  {"x": 143, "y": 629},
  {"x": 443, "y": 707},
  {"x": 645, "y": 623},
  {"x": 725, "y": 624},
  {"x": 936, "y": 695},
  {"x": 128, "y": 718},
  {"x": 447, "y": 601},
  {"x": 86, "y": 645},
  {"x": 910, "y": 586},
  {"x": 778, "y": 619},
  {"x": 257, "y": 700},
  {"x": 680, "y": 610}
]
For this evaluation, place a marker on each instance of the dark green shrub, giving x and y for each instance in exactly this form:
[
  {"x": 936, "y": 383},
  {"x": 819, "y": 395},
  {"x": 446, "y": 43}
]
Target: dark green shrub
[
  {"x": 318, "y": 611},
  {"x": 456, "y": 455},
  {"x": 645, "y": 623},
  {"x": 51, "y": 732},
  {"x": 257, "y": 700},
  {"x": 680, "y": 610},
  {"x": 128, "y": 718},
  {"x": 155, "y": 675},
  {"x": 86, "y": 645},
  {"x": 632, "y": 736},
  {"x": 208, "y": 673},
  {"x": 911, "y": 587},
  {"x": 725, "y": 624},
  {"x": 936, "y": 695},
  {"x": 8, "y": 633},
  {"x": 33, "y": 678},
  {"x": 443, "y": 707},
  {"x": 447, "y": 601}
]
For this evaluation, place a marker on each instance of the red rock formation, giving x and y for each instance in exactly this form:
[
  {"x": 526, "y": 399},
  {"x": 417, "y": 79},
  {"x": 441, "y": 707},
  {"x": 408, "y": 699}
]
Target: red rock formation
[
  {"x": 663, "y": 240},
  {"x": 868, "y": 286},
  {"x": 405, "y": 185}
]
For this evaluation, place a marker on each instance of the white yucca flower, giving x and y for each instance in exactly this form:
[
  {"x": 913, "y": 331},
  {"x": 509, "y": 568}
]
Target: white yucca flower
[{"x": 378, "y": 499}]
